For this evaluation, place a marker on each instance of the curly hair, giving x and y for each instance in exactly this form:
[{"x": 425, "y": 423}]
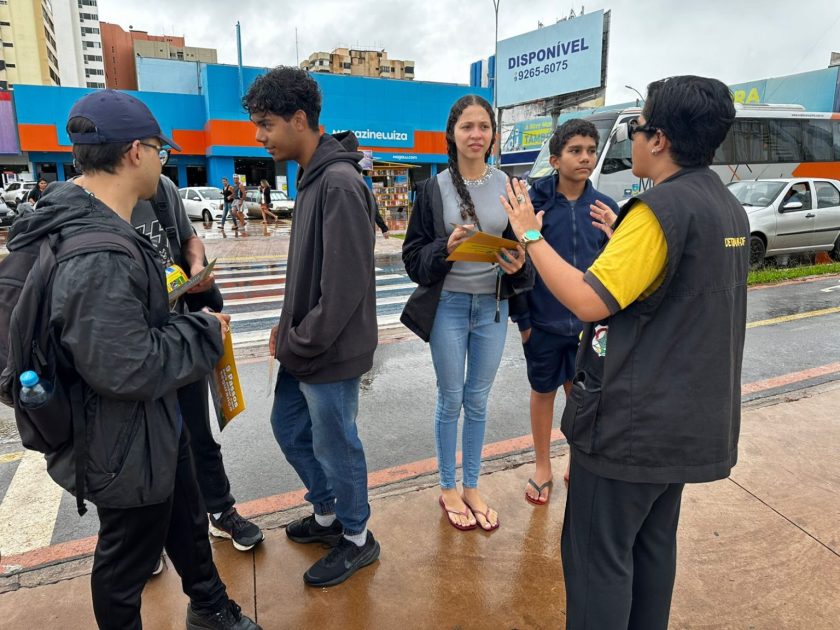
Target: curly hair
[
  {"x": 465, "y": 201},
  {"x": 283, "y": 91},
  {"x": 568, "y": 130}
]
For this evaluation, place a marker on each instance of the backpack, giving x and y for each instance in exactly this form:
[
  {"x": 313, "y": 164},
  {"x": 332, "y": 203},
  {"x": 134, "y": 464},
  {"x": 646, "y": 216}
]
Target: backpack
[{"x": 27, "y": 343}]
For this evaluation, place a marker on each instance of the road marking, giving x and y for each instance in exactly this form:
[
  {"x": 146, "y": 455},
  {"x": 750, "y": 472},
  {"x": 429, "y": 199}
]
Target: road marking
[
  {"x": 7, "y": 458},
  {"x": 830, "y": 289},
  {"x": 795, "y": 317},
  {"x": 30, "y": 507}
]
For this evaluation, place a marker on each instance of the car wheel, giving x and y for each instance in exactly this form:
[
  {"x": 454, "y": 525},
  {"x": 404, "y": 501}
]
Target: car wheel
[
  {"x": 206, "y": 216},
  {"x": 834, "y": 253},
  {"x": 757, "y": 250}
]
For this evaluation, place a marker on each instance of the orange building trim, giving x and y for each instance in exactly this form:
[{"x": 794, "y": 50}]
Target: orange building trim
[
  {"x": 191, "y": 142},
  {"x": 828, "y": 170},
  {"x": 40, "y": 138},
  {"x": 232, "y": 133}
]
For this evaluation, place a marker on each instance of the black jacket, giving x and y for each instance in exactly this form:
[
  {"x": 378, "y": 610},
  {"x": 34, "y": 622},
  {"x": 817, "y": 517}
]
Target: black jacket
[
  {"x": 111, "y": 317},
  {"x": 328, "y": 330},
  {"x": 424, "y": 255}
]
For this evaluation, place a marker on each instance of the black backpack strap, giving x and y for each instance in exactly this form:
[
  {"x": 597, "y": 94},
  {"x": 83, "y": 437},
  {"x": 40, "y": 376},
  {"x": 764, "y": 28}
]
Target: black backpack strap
[
  {"x": 166, "y": 217},
  {"x": 95, "y": 241},
  {"x": 80, "y": 449}
]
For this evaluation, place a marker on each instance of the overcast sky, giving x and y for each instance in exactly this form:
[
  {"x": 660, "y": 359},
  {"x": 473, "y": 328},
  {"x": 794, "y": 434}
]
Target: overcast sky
[{"x": 734, "y": 40}]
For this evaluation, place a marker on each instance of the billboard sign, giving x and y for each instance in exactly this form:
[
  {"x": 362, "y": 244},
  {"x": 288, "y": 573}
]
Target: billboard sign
[
  {"x": 397, "y": 136},
  {"x": 551, "y": 61}
]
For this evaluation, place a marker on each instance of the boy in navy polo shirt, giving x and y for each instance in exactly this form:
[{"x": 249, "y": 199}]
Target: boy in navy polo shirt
[{"x": 549, "y": 330}]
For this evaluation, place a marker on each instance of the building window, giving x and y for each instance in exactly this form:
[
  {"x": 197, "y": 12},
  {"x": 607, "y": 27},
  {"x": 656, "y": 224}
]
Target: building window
[
  {"x": 54, "y": 77},
  {"x": 8, "y": 45},
  {"x": 11, "y": 65},
  {"x": 93, "y": 57},
  {"x": 5, "y": 23},
  {"x": 86, "y": 30}
]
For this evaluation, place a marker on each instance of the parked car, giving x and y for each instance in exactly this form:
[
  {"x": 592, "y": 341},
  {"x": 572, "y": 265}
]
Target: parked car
[
  {"x": 791, "y": 216},
  {"x": 7, "y": 215},
  {"x": 281, "y": 205},
  {"x": 16, "y": 192},
  {"x": 203, "y": 202}
]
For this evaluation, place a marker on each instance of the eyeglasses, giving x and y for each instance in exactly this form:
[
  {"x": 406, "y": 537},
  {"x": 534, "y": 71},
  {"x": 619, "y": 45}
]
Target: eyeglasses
[
  {"x": 633, "y": 126},
  {"x": 163, "y": 154}
]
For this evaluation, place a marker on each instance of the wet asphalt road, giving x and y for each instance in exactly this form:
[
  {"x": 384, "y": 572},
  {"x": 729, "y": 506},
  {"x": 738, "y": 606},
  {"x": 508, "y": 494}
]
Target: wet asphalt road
[{"x": 398, "y": 396}]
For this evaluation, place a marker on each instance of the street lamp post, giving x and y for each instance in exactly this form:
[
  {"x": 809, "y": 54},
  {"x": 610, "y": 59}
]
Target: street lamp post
[
  {"x": 497, "y": 152},
  {"x": 641, "y": 98}
]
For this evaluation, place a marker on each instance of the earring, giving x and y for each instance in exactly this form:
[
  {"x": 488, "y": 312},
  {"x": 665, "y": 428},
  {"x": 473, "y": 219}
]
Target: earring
[{"x": 653, "y": 151}]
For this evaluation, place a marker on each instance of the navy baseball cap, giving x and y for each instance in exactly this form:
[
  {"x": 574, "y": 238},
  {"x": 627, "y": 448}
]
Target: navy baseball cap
[{"x": 118, "y": 117}]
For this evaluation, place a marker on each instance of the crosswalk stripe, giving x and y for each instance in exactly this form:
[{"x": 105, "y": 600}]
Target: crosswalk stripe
[{"x": 29, "y": 508}]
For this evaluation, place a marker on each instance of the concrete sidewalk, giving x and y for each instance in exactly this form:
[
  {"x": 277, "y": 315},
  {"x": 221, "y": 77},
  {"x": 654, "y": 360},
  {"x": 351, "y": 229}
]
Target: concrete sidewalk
[{"x": 760, "y": 550}]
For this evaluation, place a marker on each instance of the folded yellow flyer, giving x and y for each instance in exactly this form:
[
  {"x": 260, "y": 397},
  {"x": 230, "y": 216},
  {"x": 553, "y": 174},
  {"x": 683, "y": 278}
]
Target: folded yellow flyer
[
  {"x": 227, "y": 396},
  {"x": 481, "y": 247}
]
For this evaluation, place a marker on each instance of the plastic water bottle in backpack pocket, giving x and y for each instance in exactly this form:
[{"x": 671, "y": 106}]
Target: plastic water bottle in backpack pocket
[{"x": 42, "y": 413}]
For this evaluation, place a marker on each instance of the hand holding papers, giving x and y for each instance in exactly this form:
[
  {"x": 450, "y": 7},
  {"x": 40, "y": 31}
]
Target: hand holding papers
[{"x": 479, "y": 246}]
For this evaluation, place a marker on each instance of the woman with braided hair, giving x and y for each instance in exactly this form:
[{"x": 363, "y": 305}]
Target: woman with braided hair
[{"x": 461, "y": 308}]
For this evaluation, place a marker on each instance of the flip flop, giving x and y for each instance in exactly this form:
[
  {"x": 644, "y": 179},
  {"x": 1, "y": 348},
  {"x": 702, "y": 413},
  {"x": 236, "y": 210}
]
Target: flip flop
[
  {"x": 486, "y": 519},
  {"x": 548, "y": 484},
  {"x": 447, "y": 511}
]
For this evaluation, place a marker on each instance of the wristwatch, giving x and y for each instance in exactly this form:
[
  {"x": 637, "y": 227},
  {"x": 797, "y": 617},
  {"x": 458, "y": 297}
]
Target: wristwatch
[{"x": 530, "y": 236}]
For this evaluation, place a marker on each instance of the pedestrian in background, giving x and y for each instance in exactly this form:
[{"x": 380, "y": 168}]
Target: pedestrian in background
[
  {"x": 36, "y": 192},
  {"x": 238, "y": 201},
  {"x": 461, "y": 308},
  {"x": 265, "y": 201},
  {"x": 550, "y": 332},
  {"x": 327, "y": 332},
  {"x": 656, "y": 399},
  {"x": 227, "y": 201}
]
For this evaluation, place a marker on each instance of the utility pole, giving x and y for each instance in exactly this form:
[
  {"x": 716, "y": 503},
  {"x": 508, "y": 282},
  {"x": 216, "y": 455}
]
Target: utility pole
[
  {"x": 497, "y": 152},
  {"x": 239, "y": 59}
]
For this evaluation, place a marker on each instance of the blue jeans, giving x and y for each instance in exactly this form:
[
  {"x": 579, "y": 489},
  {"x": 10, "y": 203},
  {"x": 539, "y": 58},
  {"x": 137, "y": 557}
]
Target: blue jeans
[
  {"x": 225, "y": 213},
  {"x": 315, "y": 426},
  {"x": 464, "y": 333}
]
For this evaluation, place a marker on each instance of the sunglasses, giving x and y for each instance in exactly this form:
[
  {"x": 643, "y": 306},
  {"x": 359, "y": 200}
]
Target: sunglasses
[
  {"x": 633, "y": 126},
  {"x": 163, "y": 153}
]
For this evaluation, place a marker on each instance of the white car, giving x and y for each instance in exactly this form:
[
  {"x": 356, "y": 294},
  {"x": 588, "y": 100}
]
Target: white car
[
  {"x": 202, "y": 202},
  {"x": 16, "y": 192},
  {"x": 791, "y": 215},
  {"x": 281, "y": 205}
]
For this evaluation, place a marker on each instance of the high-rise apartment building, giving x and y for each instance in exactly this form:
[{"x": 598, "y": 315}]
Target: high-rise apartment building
[
  {"x": 79, "y": 43},
  {"x": 359, "y": 63},
  {"x": 121, "y": 47},
  {"x": 28, "y": 53}
]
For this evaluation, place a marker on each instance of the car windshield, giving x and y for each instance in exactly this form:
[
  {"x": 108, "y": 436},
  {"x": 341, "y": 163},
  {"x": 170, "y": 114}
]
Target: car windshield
[
  {"x": 279, "y": 195},
  {"x": 755, "y": 193},
  {"x": 210, "y": 193}
]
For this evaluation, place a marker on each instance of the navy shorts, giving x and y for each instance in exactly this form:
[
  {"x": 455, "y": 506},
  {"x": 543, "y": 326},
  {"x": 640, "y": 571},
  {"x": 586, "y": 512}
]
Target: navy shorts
[{"x": 550, "y": 359}]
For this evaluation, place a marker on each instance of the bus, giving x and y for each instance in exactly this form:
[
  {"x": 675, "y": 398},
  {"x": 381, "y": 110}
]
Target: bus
[{"x": 765, "y": 141}]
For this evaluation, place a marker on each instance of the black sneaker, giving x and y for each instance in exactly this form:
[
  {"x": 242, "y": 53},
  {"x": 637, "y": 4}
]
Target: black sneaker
[
  {"x": 307, "y": 530},
  {"x": 242, "y": 532},
  {"x": 341, "y": 562},
  {"x": 228, "y": 618}
]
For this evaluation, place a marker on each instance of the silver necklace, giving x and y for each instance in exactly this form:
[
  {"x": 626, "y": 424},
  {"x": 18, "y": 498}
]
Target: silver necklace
[{"x": 481, "y": 180}]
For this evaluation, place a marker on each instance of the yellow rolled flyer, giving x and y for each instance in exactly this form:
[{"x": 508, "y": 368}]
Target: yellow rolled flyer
[{"x": 227, "y": 393}]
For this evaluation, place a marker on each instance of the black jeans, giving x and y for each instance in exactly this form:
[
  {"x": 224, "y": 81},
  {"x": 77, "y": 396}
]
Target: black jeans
[
  {"x": 130, "y": 544},
  {"x": 207, "y": 454},
  {"x": 619, "y": 549}
]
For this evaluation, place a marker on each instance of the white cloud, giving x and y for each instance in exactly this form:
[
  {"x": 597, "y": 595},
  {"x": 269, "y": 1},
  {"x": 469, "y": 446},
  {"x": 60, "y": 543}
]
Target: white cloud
[{"x": 731, "y": 40}]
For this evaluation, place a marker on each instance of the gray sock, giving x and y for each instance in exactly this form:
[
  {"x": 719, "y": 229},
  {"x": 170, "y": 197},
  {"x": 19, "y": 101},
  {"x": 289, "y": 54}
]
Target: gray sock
[
  {"x": 325, "y": 520},
  {"x": 357, "y": 539}
]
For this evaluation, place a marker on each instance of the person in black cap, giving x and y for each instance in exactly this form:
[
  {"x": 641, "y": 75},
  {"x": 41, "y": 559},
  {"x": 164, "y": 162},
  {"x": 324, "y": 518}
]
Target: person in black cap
[{"x": 110, "y": 316}]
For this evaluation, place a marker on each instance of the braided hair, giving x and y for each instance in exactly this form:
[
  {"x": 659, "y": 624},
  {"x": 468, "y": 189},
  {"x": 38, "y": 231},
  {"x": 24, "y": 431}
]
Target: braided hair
[{"x": 465, "y": 202}]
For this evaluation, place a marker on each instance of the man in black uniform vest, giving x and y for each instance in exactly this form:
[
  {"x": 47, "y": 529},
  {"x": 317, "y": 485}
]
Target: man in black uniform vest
[{"x": 655, "y": 401}]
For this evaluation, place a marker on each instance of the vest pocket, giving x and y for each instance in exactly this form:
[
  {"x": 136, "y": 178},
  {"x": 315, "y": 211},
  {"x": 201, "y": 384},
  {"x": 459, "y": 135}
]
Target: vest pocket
[{"x": 580, "y": 414}]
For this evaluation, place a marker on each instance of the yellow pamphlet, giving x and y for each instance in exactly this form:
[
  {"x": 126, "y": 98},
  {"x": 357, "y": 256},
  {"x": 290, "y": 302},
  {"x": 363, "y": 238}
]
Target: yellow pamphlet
[
  {"x": 481, "y": 247},
  {"x": 228, "y": 395}
]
